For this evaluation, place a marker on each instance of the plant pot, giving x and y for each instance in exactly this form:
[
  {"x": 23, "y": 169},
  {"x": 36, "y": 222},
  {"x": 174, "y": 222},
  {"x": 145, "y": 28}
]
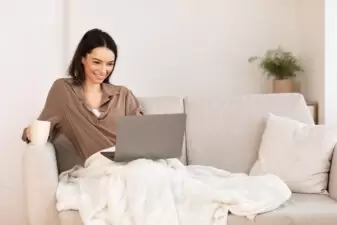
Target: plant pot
[{"x": 283, "y": 85}]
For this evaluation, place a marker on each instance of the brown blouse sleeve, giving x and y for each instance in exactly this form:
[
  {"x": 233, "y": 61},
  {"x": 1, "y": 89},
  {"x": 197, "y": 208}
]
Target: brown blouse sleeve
[
  {"x": 133, "y": 107},
  {"x": 53, "y": 108}
]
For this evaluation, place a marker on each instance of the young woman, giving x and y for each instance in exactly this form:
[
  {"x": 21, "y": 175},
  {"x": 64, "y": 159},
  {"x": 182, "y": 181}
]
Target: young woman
[{"x": 85, "y": 106}]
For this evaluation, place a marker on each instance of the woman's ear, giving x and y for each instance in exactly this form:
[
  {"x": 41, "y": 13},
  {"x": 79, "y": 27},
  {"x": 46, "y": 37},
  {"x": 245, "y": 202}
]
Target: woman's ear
[{"x": 82, "y": 60}]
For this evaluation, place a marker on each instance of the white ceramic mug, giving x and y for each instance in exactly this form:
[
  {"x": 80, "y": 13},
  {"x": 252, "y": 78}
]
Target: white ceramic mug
[{"x": 39, "y": 131}]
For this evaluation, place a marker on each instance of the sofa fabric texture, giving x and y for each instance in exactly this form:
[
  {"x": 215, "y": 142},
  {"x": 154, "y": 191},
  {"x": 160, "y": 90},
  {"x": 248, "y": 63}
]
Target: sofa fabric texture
[{"x": 222, "y": 132}]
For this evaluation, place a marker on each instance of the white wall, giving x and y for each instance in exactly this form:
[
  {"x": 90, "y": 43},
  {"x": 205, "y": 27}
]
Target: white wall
[
  {"x": 30, "y": 44},
  {"x": 317, "y": 29},
  {"x": 310, "y": 23},
  {"x": 188, "y": 47},
  {"x": 330, "y": 78}
]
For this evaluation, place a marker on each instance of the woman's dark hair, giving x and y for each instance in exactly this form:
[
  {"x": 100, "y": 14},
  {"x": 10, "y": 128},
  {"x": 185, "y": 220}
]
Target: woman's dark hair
[{"x": 91, "y": 39}]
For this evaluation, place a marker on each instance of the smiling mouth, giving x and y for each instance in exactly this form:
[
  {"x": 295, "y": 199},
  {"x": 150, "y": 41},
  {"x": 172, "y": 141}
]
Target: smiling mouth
[{"x": 101, "y": 76}]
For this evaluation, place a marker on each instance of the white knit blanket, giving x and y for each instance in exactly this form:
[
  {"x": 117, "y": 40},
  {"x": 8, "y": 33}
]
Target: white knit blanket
[{"x": 165, "y": 192}]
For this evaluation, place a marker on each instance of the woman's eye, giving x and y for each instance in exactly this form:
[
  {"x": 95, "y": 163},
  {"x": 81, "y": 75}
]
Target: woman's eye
[{"x": 96, "y": 62}]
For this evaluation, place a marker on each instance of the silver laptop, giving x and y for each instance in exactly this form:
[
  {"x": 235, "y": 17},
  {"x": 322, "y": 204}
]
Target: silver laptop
[{"x": 154, "y": 137}]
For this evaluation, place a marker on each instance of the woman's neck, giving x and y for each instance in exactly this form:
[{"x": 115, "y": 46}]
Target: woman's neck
[{"x": 91, "y": 88}]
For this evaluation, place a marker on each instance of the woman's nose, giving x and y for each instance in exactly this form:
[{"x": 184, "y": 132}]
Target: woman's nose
[{"x": 103, "y": 69}]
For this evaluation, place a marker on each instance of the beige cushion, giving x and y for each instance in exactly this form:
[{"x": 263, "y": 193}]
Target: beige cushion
[
  {"x": 301, "y": 209},
  {"x": 226, "y": 132},
  {"x": 298, "y": 153},
  {"x": 164, "y": 105}
]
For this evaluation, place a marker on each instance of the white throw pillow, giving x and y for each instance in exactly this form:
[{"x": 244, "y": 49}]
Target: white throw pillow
[{"x": 298, "y": 153}]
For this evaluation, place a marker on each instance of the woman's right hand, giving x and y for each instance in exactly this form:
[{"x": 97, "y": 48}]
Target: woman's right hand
[{"x": 27, "y": 134}]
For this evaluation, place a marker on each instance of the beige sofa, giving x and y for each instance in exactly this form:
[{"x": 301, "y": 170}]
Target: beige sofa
[{"x": 222, "y": 132}]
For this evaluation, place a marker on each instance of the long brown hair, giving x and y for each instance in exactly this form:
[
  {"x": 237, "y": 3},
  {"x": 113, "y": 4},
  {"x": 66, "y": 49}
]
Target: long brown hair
[{"x": 91, "y": 39}]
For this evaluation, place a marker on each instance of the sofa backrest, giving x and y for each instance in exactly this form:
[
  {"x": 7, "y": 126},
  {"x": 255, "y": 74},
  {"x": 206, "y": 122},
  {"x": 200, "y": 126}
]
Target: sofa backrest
[
  {"x": 226, "y": 132},
  {"x": 164, "y": 105}
]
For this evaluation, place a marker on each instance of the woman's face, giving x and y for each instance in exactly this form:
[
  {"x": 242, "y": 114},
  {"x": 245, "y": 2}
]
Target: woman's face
[{"x": 98, "y": 64}]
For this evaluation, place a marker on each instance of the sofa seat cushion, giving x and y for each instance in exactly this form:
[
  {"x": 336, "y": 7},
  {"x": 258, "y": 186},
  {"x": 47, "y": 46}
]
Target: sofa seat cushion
[{"x": 301, "y": 209}]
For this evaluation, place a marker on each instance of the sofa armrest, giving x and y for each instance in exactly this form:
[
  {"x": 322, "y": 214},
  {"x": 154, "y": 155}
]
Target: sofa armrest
[
  {"x": 333, "y": 175},
  {"x": 40, "y": 184}
]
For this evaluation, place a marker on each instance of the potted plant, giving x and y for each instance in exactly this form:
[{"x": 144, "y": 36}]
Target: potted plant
[{"x": 282, "y": 66}]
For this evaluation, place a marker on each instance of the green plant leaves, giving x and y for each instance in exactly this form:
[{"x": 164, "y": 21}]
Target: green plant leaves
[{"x": 278, "y": 63}]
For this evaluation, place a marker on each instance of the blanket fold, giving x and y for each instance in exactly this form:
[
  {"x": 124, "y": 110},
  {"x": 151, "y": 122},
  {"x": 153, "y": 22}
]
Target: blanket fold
[{"x": 166, "y": 192}]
